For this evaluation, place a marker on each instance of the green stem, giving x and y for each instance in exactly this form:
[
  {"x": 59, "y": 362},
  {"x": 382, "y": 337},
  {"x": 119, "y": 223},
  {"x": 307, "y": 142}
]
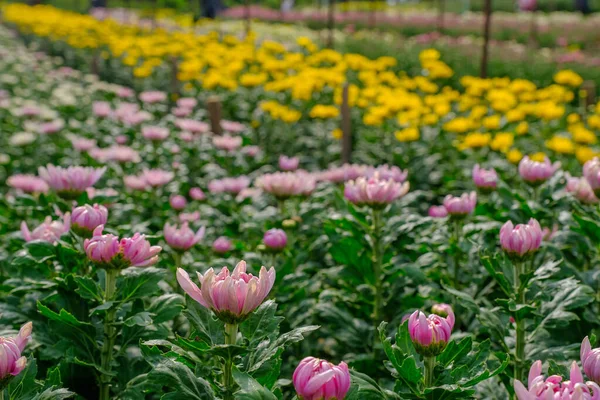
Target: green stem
[
  {"x": 231, "y": 331},
  {"x": 429, "y": 366},
  {"x": 109, "y": 334},
  {"x": 281, "y": 204},
  {"x": 177, "y": 258},
  {"x": 377, "y": 271},
  {"x": 2, "y": 394},
  {"x": 520, "y": 323}
]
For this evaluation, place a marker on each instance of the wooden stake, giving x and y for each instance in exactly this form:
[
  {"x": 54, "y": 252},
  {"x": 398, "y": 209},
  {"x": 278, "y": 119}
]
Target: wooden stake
[
  {"x": 346, "y": 127},
  {"x": 213, "y": 105},
  {"x": 590, "y": 93},
  {"x": 486, "y": 38},
  {"x": 247, "y": 16},
  {"x": 331, "y": 23}
]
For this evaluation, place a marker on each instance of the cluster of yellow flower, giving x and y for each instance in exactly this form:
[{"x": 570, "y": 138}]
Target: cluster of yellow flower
[{"x": 488, "y": 113}]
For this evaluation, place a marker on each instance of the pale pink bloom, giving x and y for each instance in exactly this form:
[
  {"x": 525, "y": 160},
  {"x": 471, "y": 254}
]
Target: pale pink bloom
[
  {"x": 135, "y": 182},
  {"x": 157, "y": 177},
  {"x": 109, "y": 192},
  {"x": 442, "y": 309},
  {"x": 554, "y": 388},
  {"x": 485, "y": 178},
  {"x": 157, "y": 133},
  {"x": 81, "y": 143},
  {"x": 591, "y": 172},
  {"x": 287, "y": 184},
  {"x": 138, "y": 252},
  {"x": 101, "y": 109},
  {"x": 154, "y": 96},
  {"x": 182, "y": 238},
  {"x": 177, "y": 202},
  {"x": 222, "y": 245},
  {"x": 232, "y": 297},
  {"x": 248, "y": 193},
  {"x": 431, "y": 334},
  {"x": 374, "y": 192},
  {"x": 136, "y": 118},
  {"x": 70, "y": 181},
  {"x": 12, "y": 362},
  {"x": 288, "y": 163},
  {"x": 125, "y": 92},
  {"x": 121, "y": 139},
  {"x": 193, "y": 126},
  {"x": 535, "y": 172},
  {"x": 549, "y": 234},
  {"x": 29, "y": 111},
  {"x": 186, "y": 136},
  {"x": 86, "y": 218},
  {"x": 463, "y": 205},
  {"x": 229, "y": 185},
  {"x": 175, "y": 150},
  {"x": 51, "y": 127},
  {"x": 251, "y": 151},
  {"x": 232, "y": 126},
  {"x": 197, "y": 194},
  {"x": 116, "y": 153},
  {"x": 521, "y": 239},
  {"x": 102, "y": 249},
  {"x": 187, "y": 102},
  {"x": 438, "y": 212},
  {"x": 226, "y": 142},
  {"x": 385, "y": 172},
  {"x": 27, "y": 183},
  {"x": 49, "y": 231},
  {"x": 346, "y": 172},
  {"x": 316, "y": 379},
  {"x": 590, "y": 360},
  {"x": 189, "y": 217},
  {"x": 181, "y": 112}
]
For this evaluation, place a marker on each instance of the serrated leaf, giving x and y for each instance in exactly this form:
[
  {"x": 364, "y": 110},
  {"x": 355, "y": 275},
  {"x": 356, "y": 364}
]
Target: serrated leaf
[
  {"x": 181, "y": 381},
  {"x": 250, "y": 389},
  {"x": 88, "y": 288}
]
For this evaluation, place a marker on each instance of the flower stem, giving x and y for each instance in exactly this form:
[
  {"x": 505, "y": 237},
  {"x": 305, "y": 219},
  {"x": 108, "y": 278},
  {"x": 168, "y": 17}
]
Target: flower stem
[
  {"x": 429, "y": 366},
  {"x": 109, "y": 334},
  {"x": 377, "y": 272},
  {"x": 231, "y": 331},
  {"x": 520, "y": 323}
]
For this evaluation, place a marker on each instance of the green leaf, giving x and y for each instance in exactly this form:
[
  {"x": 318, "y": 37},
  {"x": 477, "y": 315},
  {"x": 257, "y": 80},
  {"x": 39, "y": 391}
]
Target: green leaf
[
  {"x": 166, "y": 307},
  {"x": 455, "y": 351},
  {"x": 182, "y": 382},
  {"x": 206, "y": 327},
  {"x": 143, "y": 318},
  {"x": 24, "y": 383},
  {"x": 401, "y": 358},
  {"x": 53, "y": 378},
  {"x": 497, "y": 274},
  {"x": 135, "y": 283},
  {"x": 88, "y": 288},
  {"x": 250, "y": 389},
  {"x": 363, "y": 388},
  {"x": 40, "y": 250},
  {"x": 261, "y": 324},
  {"x": 227, "y": 351},
  {"x": 53, "y": 394}
]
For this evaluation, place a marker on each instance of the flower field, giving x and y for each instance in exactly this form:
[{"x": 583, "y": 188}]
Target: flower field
[{"x": 195, "y": 214}]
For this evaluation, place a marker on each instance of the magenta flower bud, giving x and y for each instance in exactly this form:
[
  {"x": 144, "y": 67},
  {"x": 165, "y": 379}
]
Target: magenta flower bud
[
  {"x": 86, "y": 218},
  {"x": 438, "y": 212},
  {"x": 460, "y": 206},
  {"x": 72, "y": 181},
  {"x": 287, "y": 184},
  {"x": 522, "y": 239},
  {"x": 232, "y": 297},
  {"x": 590, "y": 360},
  {"x": 534, "y": 172},
  {"x": 288, "y": 163},
  {"x": 11, "y": 360},
  {"x": 137, "y": 251},
  {"x": 591, "y": 172},
  {"x": 49, "y": 231},
  {"x": 197, "y": 194},
  {"x": 227, "y": 142},
  {"x": 155, "y": 133},
  {"x": 27, "y": 183},
  {"x": 222, "y": 245},
  {"x": 581, "y": 190},
  {"x": 177, "y": 202},
  {"x": 182, "y": 239},
  {"x": 316, "y": 379},
  {"x": 102, "y": 249},
  {"x": 486, "y": 179},
  {"x": 275, "y": 239},
  {"x": 431, "y": 334},
  {"x": 374, "y": 192},
  {"x": 554, "y": 387}
]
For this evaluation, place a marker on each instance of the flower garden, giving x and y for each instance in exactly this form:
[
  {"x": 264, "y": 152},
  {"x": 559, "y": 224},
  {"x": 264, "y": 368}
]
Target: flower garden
[{"x": 204, "y": 214}]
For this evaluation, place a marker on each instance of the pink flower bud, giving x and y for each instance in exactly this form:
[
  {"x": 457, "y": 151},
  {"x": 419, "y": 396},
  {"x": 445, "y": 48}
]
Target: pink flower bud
[
  {"x": 197, "y": 194},
  {"x": 385, "y": 172},
  {"x": 316, "y": 379},
  {"x": 182, "y": 239},
  {"x": 485, "y": 179},
  {"x": 521, "y": 239},
  {"x": 86, "y": 218},
  {"x": 49, "y": 231},
  {"x": 177, "y": 202},
  {"x": 251, "y": 151},
  {"x": 232, "y": 126},
  {"x": 275, "y": 239},
  {"x": 154, "y": 96},
  {"x": 591, "y": 172},
  {"x": 72, "y": 181},
  {"x": 443, "y": 310},
  {"x": 157, "y": 177},
  {"x": 461, "y": 206},
  {"x": 287, "y": 184},
  {"x": 102, "y": 249},
  {"x": 187, "y": 102},
  {"x": 101, "y": 109},
  {"x": 192, "y": 126},
  {"x": 581, "y": 190},
  {"x": 232, "y": 297},
  {"x": 431, "y": 334},
  {"x": 438, "y": 212},
  {"x": 534, "y": 172},
  {"x": 121, "y": 139},
  {"x": 554, "y": 387},
  {"x": 374, "y": 192},
  {"x": 108, "y": 252},
  {"x": 226, "y": 142},
  {"x": 27, "y": 183},
  {"x": 288, "y": 163},
  {"x": 222, "y": 245},
  {"x": 11, "y": 361},
  {"x": 155, "y": 133},
  {"x": 590, "y": 360},
  {"x": 138, "y": 252},
  {"x": 229, "y": 185}
]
